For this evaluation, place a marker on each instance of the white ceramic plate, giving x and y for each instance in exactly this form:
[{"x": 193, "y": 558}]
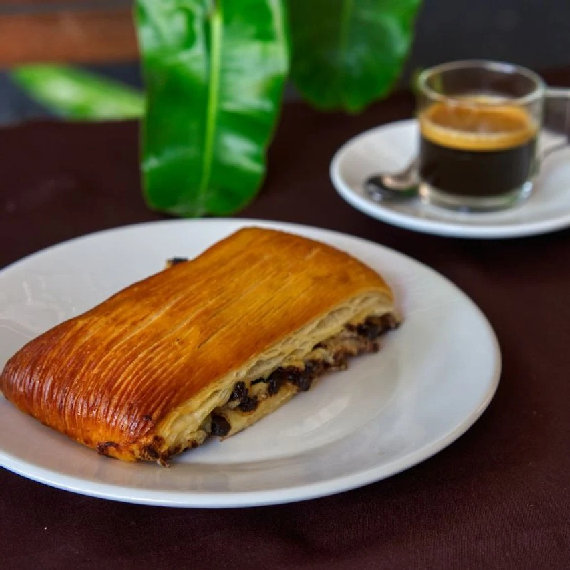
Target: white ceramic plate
[
  {"x": 390, "y": 147},
  {"x": 388, "y": 411}
]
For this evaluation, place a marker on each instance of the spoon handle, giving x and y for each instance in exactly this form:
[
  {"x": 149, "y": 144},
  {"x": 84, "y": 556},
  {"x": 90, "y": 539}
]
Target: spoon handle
[{"x": 402, "y": 185}]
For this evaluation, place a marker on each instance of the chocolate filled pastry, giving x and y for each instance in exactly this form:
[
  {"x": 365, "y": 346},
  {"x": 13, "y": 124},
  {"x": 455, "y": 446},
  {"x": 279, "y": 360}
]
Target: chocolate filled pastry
[{"x": 203, "y": 348}]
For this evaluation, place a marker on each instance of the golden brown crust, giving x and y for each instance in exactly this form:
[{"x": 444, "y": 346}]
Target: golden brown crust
[{"x": 112, "y": 377}]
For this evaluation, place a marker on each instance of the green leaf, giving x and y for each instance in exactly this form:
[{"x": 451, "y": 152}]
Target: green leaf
[
  {"x": 79, "y": 95},
  {"x": 347, "y": 53},
  {"x": 214, "y": 73}
]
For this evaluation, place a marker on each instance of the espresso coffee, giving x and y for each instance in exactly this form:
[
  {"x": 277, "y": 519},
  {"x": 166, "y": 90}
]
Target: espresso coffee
[{"x": 476, "y": 150}]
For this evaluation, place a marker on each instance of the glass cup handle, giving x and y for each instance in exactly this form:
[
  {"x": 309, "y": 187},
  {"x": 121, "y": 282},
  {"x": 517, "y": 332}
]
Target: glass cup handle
[{"x": 557, "y": 115}]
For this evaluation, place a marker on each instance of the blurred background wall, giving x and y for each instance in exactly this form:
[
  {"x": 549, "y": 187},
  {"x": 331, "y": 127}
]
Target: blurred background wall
[{"x": 535, "y": 33}]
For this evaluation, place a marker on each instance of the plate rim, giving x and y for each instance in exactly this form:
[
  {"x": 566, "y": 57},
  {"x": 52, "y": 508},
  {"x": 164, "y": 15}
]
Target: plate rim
[
  {"x": 306, "y": 491},
  {"x": 425, "y": 225}
]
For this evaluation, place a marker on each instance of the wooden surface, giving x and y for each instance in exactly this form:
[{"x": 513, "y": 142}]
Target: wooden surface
[{"x": 72, "y": 32}]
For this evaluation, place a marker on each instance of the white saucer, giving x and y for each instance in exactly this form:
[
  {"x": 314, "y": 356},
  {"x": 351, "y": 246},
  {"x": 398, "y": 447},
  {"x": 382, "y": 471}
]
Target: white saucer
[{"x": 390, "y": 147}]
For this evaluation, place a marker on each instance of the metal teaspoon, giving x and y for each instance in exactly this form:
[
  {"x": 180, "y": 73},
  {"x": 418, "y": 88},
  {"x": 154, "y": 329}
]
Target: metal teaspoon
[{"x": 401, "y": 185}]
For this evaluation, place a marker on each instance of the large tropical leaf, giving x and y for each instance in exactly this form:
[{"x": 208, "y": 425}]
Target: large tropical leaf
[
  {"x": 214, "y": 75},
  {"x": 76, "y": 94},
  {"x": 347, "y": 53}
]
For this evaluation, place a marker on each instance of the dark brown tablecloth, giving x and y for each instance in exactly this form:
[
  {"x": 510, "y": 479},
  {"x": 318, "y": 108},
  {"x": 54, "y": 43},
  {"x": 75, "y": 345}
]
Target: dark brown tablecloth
[{"x": 496, "y": 498}]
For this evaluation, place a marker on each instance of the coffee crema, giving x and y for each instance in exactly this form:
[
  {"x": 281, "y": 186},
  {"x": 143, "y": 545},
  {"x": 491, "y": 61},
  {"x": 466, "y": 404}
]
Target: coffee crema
[{"x": 476, "y": 149}]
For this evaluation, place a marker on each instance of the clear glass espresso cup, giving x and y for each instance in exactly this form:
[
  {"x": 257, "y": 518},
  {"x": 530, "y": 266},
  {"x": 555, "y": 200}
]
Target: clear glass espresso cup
[{"x": 479, "y": 124}]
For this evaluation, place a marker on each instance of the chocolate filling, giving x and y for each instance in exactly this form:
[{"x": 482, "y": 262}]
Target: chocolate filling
[
  {"x": 248, "y": 404},
  {"x": 239, "y": 392},
  {"x": 330, "y": 354},
  {"x": 175, "y": 261},
  {"x": 220, "y": 425}
]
